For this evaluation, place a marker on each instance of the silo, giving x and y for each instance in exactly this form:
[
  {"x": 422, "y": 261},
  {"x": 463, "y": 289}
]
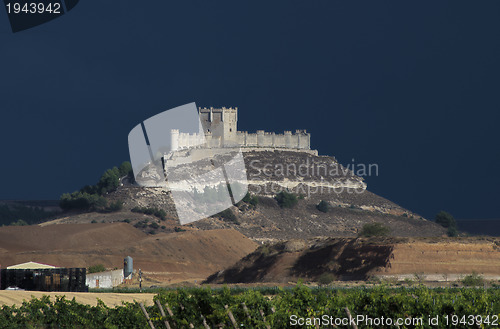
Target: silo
[{"x": 128, "y": 266}]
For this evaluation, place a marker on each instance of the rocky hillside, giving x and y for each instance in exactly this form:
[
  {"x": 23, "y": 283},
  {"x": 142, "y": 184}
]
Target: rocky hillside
[{"x": 312, "y": 179}]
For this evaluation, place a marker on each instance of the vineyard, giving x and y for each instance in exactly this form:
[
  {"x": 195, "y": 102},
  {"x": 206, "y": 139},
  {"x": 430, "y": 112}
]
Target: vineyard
[{"x": 298, "y": 307}]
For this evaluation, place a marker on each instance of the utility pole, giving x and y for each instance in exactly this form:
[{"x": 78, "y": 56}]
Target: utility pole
[{"x": 140, "y": 280}]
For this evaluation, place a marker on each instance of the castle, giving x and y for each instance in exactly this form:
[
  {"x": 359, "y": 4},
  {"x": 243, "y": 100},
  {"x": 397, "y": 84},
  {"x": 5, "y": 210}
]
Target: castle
[{"x": 220, "y": 130}]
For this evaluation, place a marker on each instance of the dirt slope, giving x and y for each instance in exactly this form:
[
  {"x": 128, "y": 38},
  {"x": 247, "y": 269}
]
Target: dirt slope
[
  {"x": 455, "y": 256},
  {"x": 70, "y": 236},
  {"x": 172, "y": 257},
  {"x": 358, "y": 259}
]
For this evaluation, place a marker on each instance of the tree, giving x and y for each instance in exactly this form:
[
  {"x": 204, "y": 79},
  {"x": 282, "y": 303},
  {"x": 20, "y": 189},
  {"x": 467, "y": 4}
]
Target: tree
[
  {"x": 446, "y": 220},
  {"x": 286, "y": 200},
  {"x": 109, "y": 181},
  {"x": 452, "y": 231},
  {"x": 125, "y": 169},
  {"x": 323, "y": 206},
  {"x": 96, "y": 268}
]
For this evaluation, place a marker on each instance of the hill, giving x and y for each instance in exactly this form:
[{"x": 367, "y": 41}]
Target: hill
[
  {"x": 164, "y": 257},
  {"x": 311, "y": 178},
  {"x": 437, "y": 259}
]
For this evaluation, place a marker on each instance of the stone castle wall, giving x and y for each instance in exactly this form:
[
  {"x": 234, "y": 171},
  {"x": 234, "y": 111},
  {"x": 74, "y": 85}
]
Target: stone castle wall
[
  {"x": 299, "y": 140},
  {"x": 220, "y": 130}
]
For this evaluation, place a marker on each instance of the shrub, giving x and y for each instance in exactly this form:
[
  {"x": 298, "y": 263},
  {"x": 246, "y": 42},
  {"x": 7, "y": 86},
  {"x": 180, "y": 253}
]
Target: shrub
[
  {"x": 11, "y": 214},
  {"x": 323, "y": 206},
  {"x": 419, "y": 277},
  {"x": 96, "y": 268},
  {"x": 326, "y": 278},
  {"x": 452, "y": 231},
  {"x": 247, "y": 197},
  {"x": 473, "y": 280},
  {"x": 89, "y": 197},
  {"x": 114, "y": 206},
  {"x": 445, "y": 219},
  {"x": 374, "y": 229},
  {"x": 178, "y": 229},
  {"x": 286, "y": 200},
  {"x": 82, "y": 201},
  {"x": 20, "y": 222},
  {"x": 264, "y": 250},
  {"x": 154, "y": 226},
  {"x": 141, "y": 224},
  {"x": 251, "y": 199},
  {"x": 227, "y": 215},
  {"x": 160, "y": 213}
]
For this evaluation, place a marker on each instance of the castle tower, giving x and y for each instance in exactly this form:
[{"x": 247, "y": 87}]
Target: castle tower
[
  {"x": 220, "y": 123},
  {"x": 174, "y": 139}
]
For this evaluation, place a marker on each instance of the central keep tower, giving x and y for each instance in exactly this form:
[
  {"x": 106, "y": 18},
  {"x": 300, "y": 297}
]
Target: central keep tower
[{"x": 220, "y": 123}]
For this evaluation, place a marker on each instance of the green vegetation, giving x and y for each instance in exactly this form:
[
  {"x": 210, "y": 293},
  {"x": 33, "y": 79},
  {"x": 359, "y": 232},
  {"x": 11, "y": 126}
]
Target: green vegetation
[
  {"x": 447, "y": 220},
  {"x": 251, "y": 199},
  {"x": 114, "y": 206},
  {"x": 286, "y": 199},
  {"x": 22, "y": 215},
  {"x": 473, "y": 280},
  {"x": 90, "y": 197},
  {"x": 323, "y": 206},
  {"x": 188, "y": 304},
  {"x": 452, "y": 231},
  {"x": 160, "y": 213},
  {"x": 326, "y": 278},
  {"x": 227, "y": 215},
  {"x": 96, "y": 268},
  {"x": 141, "y": 224},
  {"x": 374, "y": 229},
  {"x": 178, "y": 229},
  {"x": 265, "y": 250},
  {"x": 19, "y": 223}
]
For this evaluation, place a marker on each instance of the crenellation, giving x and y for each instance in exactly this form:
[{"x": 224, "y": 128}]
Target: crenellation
[{"x": 220, "y": 130}]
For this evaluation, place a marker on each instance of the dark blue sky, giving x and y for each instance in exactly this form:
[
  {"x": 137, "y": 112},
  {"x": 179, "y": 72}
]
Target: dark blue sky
[{"x": 413, "y": 87}]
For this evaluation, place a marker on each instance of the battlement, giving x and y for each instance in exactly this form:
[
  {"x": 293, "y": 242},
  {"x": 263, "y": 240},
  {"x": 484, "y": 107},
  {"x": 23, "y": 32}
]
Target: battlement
[
  {"x": 220, "y": 130},
  {"x": 214, "y": 109}
]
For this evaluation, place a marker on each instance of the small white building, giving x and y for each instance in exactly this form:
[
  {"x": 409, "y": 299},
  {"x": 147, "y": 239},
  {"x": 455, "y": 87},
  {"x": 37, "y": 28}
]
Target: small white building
[{"x": 107, "y": 279}]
